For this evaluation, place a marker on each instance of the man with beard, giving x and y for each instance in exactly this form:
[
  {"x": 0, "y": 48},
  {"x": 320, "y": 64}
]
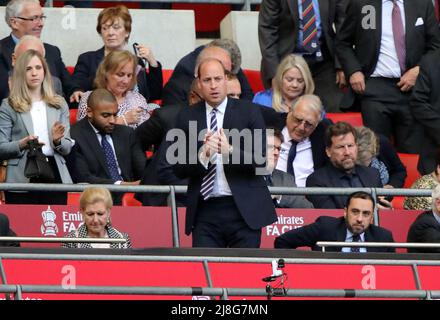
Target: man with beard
[
  {"x": 341, "y": 171},
  {"x": 105, "y": 152},
  {"x": 355, "y": 226}
]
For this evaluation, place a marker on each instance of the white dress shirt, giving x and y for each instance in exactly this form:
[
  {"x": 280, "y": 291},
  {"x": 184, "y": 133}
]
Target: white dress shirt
[
  {"x": 39, "y": 122},
  {"x": 388, "y": 63},
  {"x": 221, "y": 186},
  {"x": 110, "y": 141},
  {"x": 349, "y": 238},
  {"x": 302, "y": 164}
]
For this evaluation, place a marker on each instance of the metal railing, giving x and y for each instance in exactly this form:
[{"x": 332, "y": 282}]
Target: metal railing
[
  {"x": 173, "y": 190},
  {"x": 369, "y": 244},
  {"x": 62, "y": 240},
  {"x": 222, "y": 292}
]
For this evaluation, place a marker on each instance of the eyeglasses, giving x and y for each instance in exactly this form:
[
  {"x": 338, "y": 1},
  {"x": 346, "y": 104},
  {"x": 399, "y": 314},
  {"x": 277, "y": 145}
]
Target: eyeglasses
[
  {"x": 307, "y": 124},
  {"x": 33, "y": 19}
]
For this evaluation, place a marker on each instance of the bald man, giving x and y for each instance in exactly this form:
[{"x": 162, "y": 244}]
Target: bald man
[{"x": 176, "y": 89}]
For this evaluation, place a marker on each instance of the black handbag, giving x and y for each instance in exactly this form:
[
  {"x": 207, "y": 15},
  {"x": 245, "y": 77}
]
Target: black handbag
[{"x": 37, "y": 165}]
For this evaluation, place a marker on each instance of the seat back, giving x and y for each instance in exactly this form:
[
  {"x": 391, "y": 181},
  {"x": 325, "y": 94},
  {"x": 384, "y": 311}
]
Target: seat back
[
  {"x": 254, "y": 79},
  {"x": 353, "y": 118},
  {"x": 73, "y": 113},
  {"x": 410, "y": 162},
  {"x": 128, "y": 200}
]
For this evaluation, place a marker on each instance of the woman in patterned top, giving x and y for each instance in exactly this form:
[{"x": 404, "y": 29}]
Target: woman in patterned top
[
  {"x": 428, "y": 181},
  {"x": 116, "y": 74},
  {"x": 95, "y": 204}
]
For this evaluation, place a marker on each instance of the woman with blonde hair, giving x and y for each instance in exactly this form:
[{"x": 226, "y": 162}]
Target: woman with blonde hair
[
  {"x": 95, "y": 206},
  {"x": 116, "y": 73},
  {"x": 292, "y": 80},
  {"x": 34, "y": 113}
]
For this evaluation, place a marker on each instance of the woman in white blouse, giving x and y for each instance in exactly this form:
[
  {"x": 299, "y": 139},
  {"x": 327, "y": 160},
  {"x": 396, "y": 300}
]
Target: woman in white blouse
[{"x": 34, "y": 111}]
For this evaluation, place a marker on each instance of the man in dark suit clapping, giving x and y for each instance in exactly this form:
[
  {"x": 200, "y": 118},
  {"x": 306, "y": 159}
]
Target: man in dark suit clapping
[{"x": 228, "y": 202}]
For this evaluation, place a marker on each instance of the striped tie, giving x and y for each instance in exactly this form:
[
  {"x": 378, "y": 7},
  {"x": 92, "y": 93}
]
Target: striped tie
[
  {"x": 356, "y": 238},
  {"x": 310, "y": 32},
  {"x": 208, "y": 179}
]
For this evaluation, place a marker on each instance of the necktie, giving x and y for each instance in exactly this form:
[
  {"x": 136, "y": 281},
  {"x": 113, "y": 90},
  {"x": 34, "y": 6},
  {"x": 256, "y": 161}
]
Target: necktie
[
  {"x": 291, "y": 157},
  {"x": 310, "y": 32},
  {"x": 356, "y": 238},
  {"x": 208, "y": 179},
  {"x": 399, "y": 36},
  {"x": 110, "y": 159}
]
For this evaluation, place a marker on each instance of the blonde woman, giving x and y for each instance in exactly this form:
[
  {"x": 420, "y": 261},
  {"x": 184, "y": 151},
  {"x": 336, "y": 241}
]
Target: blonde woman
[
  {"x": 95, "y": 206},
  {"x": 33, "y": 111},
  {"x": 292, "y": 80},
  {"x": 116, "y": 73}
]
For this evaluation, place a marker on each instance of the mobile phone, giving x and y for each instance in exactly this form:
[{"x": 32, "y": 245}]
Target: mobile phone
[{"x": 141, "y": 61}]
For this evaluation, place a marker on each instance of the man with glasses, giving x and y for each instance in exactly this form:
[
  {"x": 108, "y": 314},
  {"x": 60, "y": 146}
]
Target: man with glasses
[
  {"x": 26, "y": 17},
  {"x": 278, "y": 178},
  {"x": 341, "y": 171},
  {"x": 303, "y": 150}
]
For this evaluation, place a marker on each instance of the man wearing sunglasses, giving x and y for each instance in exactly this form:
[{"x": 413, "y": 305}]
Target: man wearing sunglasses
[
  {"x": 26, "y": 17},
  {"x": 303, "y": 149}
]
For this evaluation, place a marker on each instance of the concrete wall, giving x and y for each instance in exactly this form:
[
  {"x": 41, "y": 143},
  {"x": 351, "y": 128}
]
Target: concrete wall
[
  {"x": 170, "y": 33},
  {"x": 242, "y": 27}
]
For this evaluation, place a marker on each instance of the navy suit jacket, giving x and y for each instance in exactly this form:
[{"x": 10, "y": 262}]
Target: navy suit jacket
[
  {"x": 328, "y": 176},
  {"x": 424, "y": 229},
  {"x": 177, "y": 88},
  {"x": 249, "y": 190},
  {"x": 53, "y": 59},
  {"x": 150, "y": 84},
  {"x": 330, "y": 229}
]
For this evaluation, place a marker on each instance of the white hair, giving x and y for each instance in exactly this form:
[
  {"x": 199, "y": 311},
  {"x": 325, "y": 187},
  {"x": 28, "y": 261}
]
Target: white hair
[
  {"x": 14, "y": 8},
  {"x": 29, "y": 39}
]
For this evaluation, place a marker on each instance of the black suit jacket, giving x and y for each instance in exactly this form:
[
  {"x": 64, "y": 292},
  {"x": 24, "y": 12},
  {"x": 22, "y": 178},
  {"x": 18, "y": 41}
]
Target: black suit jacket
[
  {"x": 53, "y": 58},
  {"x": 249, "y": 190},
  {"x": 87, "y": 161},
  {"x": 424, "y": 229},
  {"x": 358, "y": 47},
  {"x": 425, "y": 107},
  {"x": 395, "y": 167},
  {"x": 6, "y": 231},
  {"x": 330, "y": 229},
  {"x": 278, "y": 29},
  {"x": 149, "y": 83},
  {"x": 177, "y": 88},
  {"x": 329, "y": 177},
  {"x": 158, "y": 172}
]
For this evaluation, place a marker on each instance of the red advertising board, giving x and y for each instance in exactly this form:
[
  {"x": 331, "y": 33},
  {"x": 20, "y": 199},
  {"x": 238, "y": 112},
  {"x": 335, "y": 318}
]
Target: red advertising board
[{"x": 151, "y": 226}]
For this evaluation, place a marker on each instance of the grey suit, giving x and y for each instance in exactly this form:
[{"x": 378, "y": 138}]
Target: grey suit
[
  {"x": 283, "y": 179},
  {"x": 15, "y": 126}
]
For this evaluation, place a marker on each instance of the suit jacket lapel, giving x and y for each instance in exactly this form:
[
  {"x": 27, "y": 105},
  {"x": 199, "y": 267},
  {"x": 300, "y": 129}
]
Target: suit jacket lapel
[
  {"x": 227, "y": 120},
  {"x": 293, "y": 6},
  {"x": 118, "y": 142},
  {"x": 341, "y": 232},
  {"x": 410, "y": 21},
  {"x": 93, "y": 141},
  {"x": 27, "y": 120},
  {"x": 324, "y": 14}
]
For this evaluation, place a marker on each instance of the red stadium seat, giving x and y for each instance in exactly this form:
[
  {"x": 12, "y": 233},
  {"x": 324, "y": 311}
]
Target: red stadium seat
[
  {"x": 73, "y": 198},
  {"x": 166, "y": 75},
  {"x": 254, "y": 79},
  {"x": 70, "y": 69},
  {"x": 106, "y": 4},
  {"x": 354, "y": 118},
  {"x": 128, "y": 200},
  {"x": 398, "y": 203},
  {"x": 410, "y": 162},
  {"x": 207, "y": 16},
  {"x": 73, "y": 113}
]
